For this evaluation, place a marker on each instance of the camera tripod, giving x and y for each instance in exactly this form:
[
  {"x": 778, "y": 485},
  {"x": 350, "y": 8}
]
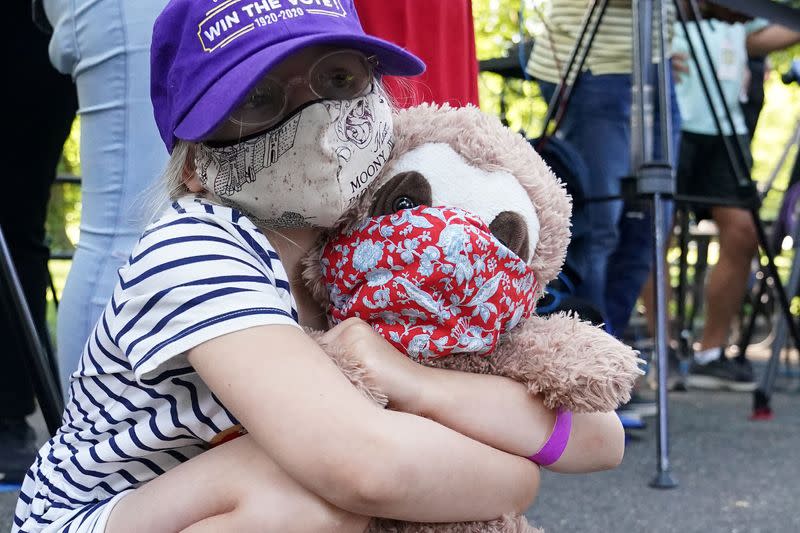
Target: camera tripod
[
  {"x": 40, "y": 361},
  {"x": 787, "y": 226},
  {"x": 654, "y": 180}
]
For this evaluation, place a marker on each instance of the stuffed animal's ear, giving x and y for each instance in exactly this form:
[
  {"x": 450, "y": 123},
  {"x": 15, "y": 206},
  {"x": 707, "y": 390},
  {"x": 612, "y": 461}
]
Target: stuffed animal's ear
[
  {"x": 406, "y": 190},
  {"x": 512, "y": 230}
]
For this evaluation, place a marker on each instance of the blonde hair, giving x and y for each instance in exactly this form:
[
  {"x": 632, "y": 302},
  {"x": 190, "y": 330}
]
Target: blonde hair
[{"x": 170, "y": 186}]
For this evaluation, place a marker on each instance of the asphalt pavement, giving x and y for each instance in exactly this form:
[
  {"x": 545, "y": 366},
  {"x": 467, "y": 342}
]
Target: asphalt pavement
[{"x": 734, "y": 475}]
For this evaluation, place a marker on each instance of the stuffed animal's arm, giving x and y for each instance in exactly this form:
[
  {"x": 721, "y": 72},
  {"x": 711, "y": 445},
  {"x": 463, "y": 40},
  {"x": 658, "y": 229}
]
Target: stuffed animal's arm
[
  {"x": 569, "y": 363},
  {"x": 352, "y": 368}
]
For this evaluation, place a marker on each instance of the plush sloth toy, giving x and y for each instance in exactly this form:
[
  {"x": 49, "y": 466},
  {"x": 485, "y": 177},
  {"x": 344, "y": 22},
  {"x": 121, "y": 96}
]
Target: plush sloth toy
[{"x": 446, "y": 256}]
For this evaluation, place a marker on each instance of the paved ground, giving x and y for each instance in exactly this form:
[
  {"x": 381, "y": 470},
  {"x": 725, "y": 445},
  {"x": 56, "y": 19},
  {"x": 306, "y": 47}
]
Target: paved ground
[{"x": 735, "y": 476}]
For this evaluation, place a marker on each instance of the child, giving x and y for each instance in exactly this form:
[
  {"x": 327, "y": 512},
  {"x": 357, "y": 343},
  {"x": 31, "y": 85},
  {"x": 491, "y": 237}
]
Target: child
[{"x": 266, "y": 107}]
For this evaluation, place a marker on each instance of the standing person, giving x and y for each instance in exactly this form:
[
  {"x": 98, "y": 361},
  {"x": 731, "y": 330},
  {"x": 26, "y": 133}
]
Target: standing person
[
  {"x": 203, "y": 330},
  {"x": 705, "y": 171},
  {"x": 105, "y": 47},
  {"x": 442, "y": 34},
  {"x": 40, "y": 117},
  {"x": 612, "y": 251}
]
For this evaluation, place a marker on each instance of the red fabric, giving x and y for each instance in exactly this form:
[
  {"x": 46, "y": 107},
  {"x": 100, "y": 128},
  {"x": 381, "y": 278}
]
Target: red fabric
[
  {"x": 432, "y": 281},
  {"x": 441, "y": 33}
]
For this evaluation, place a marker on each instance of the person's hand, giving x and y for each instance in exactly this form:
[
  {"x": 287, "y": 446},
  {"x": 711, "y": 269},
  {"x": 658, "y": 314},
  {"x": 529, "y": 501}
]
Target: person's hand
[
  {"x": 680, "y": 66},
  {"x": 389, "y": 370}
]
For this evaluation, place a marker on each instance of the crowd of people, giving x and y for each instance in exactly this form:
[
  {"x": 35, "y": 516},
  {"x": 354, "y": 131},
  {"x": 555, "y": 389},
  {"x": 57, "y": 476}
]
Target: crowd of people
[
  {"x": 149, "y": 381},
  {"x": 611, "y": 250}
]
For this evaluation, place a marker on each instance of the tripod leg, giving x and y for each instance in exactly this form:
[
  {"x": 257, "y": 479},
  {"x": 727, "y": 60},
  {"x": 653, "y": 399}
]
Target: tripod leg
[
  {"x": 761, "y": 398},
  {"x": 762, "y": 394},
  {"x": 39, "y": 365},
  {"x": 750, "y": 328},
  {"x": 684, "y": 333},
  {"x": 699, "y": 281},
  {"x": 559, "y": 102},
  {"x": 663, "y": 479},
  {"x": 52, "y": 286},
  {"x": 761, "y": 407},
  {"x": 658, "y": 180}
]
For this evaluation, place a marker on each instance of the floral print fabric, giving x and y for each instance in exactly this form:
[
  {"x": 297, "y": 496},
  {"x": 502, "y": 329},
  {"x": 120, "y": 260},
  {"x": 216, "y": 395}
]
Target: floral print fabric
[{"x": 432, "y": 280}]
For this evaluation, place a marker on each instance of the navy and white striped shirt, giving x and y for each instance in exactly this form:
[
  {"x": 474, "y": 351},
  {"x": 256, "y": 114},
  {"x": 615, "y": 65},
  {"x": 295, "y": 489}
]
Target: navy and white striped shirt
[{"x": 137, "y": 408}]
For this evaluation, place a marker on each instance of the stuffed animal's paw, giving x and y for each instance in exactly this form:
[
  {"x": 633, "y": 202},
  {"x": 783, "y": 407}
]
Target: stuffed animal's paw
[
  {"x": 352, "y": 369},
  {"x": 570, "y": 363}
]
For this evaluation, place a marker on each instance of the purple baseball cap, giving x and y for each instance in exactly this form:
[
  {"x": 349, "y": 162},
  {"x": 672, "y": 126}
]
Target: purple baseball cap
[{"x": 208, "y": 54}]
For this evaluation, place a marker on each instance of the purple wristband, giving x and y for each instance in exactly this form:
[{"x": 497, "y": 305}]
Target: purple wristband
[{"x": 557, "y": 443}]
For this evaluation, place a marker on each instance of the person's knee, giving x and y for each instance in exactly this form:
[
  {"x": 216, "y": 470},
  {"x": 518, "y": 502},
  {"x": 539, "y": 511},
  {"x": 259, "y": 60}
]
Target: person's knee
[
  {"x": 738, "y": 236},
  {"x": 268, "y": 499},
  {"x": 252, "y": 514}
]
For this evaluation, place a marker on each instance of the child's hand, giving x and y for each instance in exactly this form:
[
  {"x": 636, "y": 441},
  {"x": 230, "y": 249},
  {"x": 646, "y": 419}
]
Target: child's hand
[
  {"x": 680, "y": 66},
  {"x": 389, "y": 370}
]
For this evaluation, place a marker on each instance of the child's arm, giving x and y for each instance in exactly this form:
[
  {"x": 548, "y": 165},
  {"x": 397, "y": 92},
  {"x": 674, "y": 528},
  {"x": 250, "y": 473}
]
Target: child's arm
[
  {"x": 495, "y": 410},
  {"x": 501, "y": 413},
  {"x": 311, "y": 421},
  {"x": 773, "y": 37}
]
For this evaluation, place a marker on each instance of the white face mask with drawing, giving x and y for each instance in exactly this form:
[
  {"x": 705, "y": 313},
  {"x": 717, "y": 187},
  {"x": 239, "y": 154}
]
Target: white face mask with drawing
[{"x": 309, "y": 169}]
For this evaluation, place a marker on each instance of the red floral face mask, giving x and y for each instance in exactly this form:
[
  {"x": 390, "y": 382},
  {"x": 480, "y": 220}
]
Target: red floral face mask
[{"x": 432, "y": 280}]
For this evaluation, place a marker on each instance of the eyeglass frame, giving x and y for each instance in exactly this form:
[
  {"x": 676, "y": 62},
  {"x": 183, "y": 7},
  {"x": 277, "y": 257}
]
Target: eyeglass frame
[{"x": 371, "y": 63}]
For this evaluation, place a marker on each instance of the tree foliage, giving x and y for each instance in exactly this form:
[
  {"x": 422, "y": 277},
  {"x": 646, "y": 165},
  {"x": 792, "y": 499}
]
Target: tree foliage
[{"x": 63, "y": 214}]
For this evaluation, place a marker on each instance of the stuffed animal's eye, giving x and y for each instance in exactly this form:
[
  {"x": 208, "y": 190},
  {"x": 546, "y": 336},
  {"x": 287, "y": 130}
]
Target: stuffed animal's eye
[
  {"x": 405, "y": 190},
  {"x": 403, "y": 202}
]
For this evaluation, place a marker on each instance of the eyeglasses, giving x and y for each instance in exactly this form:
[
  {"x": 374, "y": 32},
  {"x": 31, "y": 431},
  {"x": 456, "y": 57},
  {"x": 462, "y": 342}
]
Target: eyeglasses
[{"x": 339, "y": 75}]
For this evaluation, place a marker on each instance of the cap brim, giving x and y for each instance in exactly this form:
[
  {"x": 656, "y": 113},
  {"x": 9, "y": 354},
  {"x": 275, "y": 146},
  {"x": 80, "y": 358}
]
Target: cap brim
[{"x": 219, "y": 100}]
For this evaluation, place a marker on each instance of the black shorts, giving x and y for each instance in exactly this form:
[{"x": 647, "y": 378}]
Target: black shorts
[{"x": 704, "y": 170}]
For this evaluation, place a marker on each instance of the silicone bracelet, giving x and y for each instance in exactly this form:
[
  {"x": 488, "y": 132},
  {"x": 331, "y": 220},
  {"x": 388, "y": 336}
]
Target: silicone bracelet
[{"x": 554, "y": 448}]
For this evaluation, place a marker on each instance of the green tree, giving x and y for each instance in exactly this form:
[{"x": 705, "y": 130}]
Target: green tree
[{"x": 63, "y": 215}]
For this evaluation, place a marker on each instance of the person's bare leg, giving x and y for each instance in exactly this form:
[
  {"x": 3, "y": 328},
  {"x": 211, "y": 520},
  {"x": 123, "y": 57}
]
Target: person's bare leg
[
  {"x": 728, "y": 280},
  {"x": 648, "y": 297},
  {"x": 648, "y": 300},
  {"x": 234, "y": 487}
]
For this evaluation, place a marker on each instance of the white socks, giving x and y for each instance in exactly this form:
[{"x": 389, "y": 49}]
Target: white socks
[{"x": 703, "y": 357}]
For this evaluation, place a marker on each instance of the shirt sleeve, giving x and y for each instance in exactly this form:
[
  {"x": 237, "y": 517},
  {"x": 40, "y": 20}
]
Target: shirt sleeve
[
  {"x": 755, "y": 25},
  {"x": 192, "y": 279}
]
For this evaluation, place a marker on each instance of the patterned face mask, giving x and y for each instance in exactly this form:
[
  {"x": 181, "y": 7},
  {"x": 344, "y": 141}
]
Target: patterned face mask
[
  {"x": 307, "y": 170},
  {"x": 433, "y": 281}
]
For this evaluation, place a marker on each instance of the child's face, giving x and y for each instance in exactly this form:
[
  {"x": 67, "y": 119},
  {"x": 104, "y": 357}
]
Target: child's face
[{"x": 295, "y": 82}]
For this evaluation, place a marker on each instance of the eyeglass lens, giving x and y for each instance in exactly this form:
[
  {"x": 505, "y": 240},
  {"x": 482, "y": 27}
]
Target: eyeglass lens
[{"x": 339, "y": 75}]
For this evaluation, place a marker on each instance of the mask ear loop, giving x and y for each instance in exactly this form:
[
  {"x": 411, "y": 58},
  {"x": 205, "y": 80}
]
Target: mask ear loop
[{"x": 241, "y": 130}]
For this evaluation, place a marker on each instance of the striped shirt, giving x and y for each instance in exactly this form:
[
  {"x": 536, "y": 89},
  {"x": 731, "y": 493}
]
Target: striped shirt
[
  {"x": 611, "y": 51},
  {"x": 137, "y": 408}
]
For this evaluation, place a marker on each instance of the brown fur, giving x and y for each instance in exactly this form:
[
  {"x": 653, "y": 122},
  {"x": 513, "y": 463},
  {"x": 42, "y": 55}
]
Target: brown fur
[
  {"x": 507, "y": 524},
  {"x": 485, "y": 143},
  {"x": 353, "y": 369},
  {"x": 489, "y": 146},
  {"x": 569, "y": 363}
]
